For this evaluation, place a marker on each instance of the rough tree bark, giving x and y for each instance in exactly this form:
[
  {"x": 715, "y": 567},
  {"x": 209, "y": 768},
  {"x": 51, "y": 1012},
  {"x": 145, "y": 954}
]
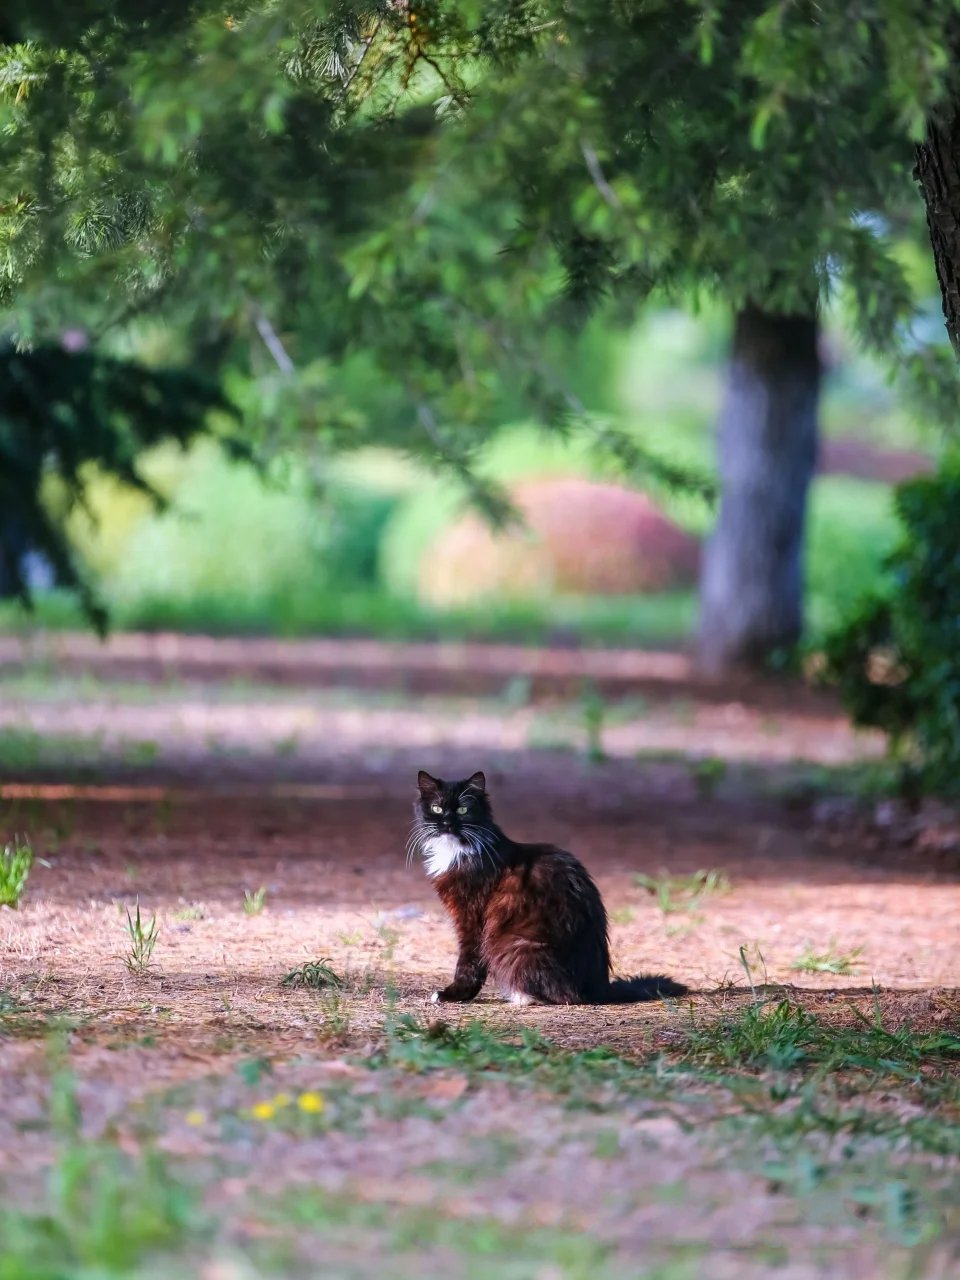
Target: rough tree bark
[
  {"x": 938, "y": 172},
  {"x": 751, "y": 590}
]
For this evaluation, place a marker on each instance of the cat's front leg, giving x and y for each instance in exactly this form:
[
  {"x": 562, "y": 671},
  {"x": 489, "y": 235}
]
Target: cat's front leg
[{"x": 470, "y": 975}]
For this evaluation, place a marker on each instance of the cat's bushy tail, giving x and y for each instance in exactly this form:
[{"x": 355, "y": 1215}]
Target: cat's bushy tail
[{"x": 652, "y": 986}]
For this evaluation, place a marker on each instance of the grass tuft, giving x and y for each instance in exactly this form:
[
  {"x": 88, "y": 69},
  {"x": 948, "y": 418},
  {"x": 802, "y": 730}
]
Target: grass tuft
[
  {"x": 315, "y": 974},
  {"x": 476, "y": 1049},
  {"x": 253, "y": 903},
  {"x": 16, "y": 861},
  {"x": 784, "y": 1036},
  {"x": 829, "y": 961},
  {"x": 142, "y": 942},
  {"x": 683, "y": 893}
]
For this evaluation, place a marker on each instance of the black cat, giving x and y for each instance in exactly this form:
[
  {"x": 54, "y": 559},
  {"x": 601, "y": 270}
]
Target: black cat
[{"x": 528, "y": 915}]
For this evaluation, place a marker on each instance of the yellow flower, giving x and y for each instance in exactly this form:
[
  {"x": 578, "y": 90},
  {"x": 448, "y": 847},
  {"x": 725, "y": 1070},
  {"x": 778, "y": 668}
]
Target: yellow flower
[
  {"x": 311, "y": 1103},
  {"x": 282, "y": 1100},
  {"x": 263, "y": 1111},
  {"x": 196, "y": 1118}
]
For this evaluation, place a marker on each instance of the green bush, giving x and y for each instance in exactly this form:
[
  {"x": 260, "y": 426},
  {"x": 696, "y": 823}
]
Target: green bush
[
  {"x": 233, "y": 544},
  {"x": 851, "y": 532},
  {"x": 897, "y": 660}
]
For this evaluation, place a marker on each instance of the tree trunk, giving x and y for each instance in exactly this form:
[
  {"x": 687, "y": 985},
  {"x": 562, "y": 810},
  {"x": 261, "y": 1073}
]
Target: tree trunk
[
  {"x": 751, "y": 590},
  {"x": 938, "y": 172}
]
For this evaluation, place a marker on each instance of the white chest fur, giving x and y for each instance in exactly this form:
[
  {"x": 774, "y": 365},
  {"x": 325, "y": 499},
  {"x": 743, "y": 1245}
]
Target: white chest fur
[{"x": 441, "y": 853}]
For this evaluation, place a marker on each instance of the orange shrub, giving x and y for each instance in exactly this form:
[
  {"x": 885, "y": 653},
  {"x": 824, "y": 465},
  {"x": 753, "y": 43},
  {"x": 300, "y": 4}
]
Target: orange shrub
[{"x": 578, "y": 537}]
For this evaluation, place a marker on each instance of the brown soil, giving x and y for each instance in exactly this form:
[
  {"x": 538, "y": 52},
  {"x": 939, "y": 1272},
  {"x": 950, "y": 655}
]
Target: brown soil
[{"x": 307, "y": 792}]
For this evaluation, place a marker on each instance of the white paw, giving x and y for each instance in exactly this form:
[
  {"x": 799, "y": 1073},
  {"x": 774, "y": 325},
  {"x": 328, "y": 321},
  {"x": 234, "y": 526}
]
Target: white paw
[
  {"x": 520, "y": 997},
  {"x": 435, "y": 998}
]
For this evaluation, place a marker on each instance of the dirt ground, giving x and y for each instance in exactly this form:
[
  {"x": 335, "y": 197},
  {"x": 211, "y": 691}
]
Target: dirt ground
[{"x": 183, "y": 792}]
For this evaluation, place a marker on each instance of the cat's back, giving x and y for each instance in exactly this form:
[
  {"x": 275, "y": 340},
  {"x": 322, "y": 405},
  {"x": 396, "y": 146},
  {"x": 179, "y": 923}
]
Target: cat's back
[{"x": 542, "y": 880}]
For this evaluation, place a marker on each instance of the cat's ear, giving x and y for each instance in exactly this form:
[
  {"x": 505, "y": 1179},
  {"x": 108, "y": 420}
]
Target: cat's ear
[
  {"x": 428, "y": 786},
  {"x": 478, "y": 782}
]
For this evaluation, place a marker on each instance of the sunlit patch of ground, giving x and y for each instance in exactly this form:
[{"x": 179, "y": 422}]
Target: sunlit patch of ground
[{"x": 347, "y": 1123}]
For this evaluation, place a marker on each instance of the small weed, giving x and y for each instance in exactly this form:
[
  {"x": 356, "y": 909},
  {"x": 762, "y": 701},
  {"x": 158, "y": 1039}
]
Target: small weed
[
  {"x": 829, "y": 961},
  {"x": 594, "y": 712},
  {"x": 606, "y": 1144},
  {"x": 288, "y": 746},
  {"x": 142, "y": 942},
  {"x": 516, "y": 692},
  {"x": 708, "y": 774},
  {"x": 190, "y": 911},
  {"x": 253, "y": 903},
  {"x": 315, "y": 974},
  {"x": 336, "y": 1017},
  {"x": 683, "y": 893},
  {"x": 545, "y": 734},
  {"x": 164, "y": 813},
  {"x": 622, "y": 915},
  {"x": 748, "y": 967},
  {"x": 16, "y": 861},
  {"x": 252, "y": 1070},
  {"x": 389, "y": 937},
  {"x": 140, "y": 754}
]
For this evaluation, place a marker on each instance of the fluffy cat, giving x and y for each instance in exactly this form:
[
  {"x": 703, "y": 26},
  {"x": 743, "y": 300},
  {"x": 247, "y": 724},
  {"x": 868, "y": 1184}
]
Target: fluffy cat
[{"x": 527, "y": 915}]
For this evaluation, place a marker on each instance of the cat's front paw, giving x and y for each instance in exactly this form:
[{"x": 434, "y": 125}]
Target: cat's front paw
[{"x": 452, "y": 995}]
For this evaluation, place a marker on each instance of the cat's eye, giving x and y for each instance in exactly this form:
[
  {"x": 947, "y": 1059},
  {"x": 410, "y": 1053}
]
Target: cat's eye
[
  {"x": 462, "y": 809},
  {"x": 436, "y": 808}
]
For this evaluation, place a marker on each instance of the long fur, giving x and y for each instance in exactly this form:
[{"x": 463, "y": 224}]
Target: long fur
[
  {"x": 529, "y": 916},
  {"x": 653, "y": 986}
]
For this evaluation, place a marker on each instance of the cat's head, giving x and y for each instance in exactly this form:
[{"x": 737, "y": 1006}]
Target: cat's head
[
  {"x": 451, "y": 822},
  {"x": 450, "y": 807}
]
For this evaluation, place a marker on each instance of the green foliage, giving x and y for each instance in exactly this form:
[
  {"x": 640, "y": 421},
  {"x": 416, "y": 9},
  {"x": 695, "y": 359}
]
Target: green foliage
[
  {"x": 315, "y": 974},
  {"x": 16, "y": 861},
  {"x": 254, "y": 901},
  {"x": 104, "y": 1213},
  {"x": 683, "y": 893},
  {"x": 829, "y": 961},
  {"x": 239, "y": 541},
  {"x": 708, "y": 774},
  {"x": 897, "y": 660},
  {"x": 432, "y": 197},
  {"x": 594, "y": 712},
  {"x": 185, "y": 169},
  {"x": 784, "y": 1036},
  {"x": 477, "y": 1049},
  {"x": 61, "y": 413},
  {"x": 139, "y": 957},
  {"x": 851, "y": 531}
]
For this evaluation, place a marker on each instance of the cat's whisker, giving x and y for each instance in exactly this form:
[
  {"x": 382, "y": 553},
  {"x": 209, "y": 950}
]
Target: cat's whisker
[
  {"x": 481, "y": 843},
  {"x": 416, "y": 841}
]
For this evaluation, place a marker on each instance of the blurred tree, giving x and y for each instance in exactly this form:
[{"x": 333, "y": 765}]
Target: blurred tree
[
  {"x": 749, "y": 149},
  {"x": 63, "y": 412},
  {"x": 751, "y": 596},
  {"x": 437, "y": 186}
]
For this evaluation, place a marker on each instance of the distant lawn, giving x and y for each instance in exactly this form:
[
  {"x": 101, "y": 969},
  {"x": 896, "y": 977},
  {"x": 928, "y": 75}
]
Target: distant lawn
[{"x": 662, "y": 621}]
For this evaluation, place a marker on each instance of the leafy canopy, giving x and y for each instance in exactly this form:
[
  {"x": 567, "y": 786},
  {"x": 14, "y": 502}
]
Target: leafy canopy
[{"x": 436, "y": 188}]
